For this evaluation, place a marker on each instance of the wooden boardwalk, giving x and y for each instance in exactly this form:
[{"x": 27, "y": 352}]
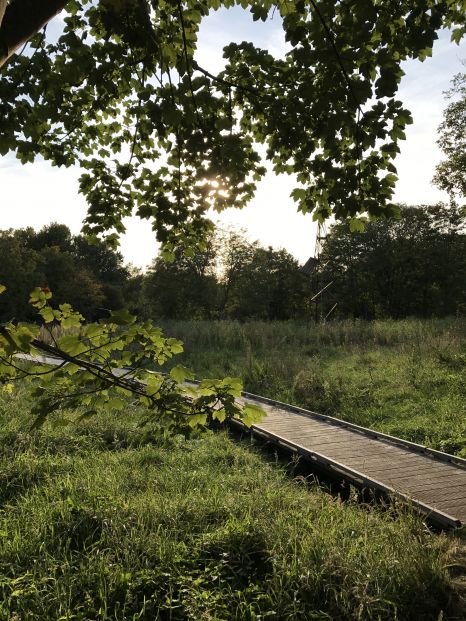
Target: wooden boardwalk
[{"x": 432, "y": 481}]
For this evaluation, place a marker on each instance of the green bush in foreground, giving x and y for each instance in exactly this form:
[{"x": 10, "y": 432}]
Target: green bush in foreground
[{"x": 101, "y": 521}]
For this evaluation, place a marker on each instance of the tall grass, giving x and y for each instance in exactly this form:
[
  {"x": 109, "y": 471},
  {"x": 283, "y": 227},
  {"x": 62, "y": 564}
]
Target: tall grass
[
  {"x": 447, "y": 332},
  {"x": 407, "y": 378},
  {"x": 102, "y": 520}
]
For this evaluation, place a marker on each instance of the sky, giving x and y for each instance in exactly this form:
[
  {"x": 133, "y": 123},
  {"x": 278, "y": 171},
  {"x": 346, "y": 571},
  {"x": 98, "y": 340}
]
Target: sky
[{"x": 37, "y": 194}]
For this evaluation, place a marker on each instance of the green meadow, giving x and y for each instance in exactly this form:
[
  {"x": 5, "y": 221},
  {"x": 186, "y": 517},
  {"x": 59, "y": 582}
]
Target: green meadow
[
  {"x": 406, "y": 378},
  {"x": 107, "y": 520}
]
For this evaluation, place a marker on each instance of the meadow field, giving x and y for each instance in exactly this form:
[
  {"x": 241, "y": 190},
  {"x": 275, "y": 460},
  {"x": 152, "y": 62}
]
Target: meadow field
[
  {"x": 106, "y": 520},
  {"x": 406, "y": 377}
]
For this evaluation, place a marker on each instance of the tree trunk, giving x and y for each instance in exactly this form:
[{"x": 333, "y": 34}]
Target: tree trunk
[{"x": 21, "y": 19}]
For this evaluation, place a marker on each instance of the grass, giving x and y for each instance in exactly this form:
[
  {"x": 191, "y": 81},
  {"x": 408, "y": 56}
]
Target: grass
[
  {"x": 406, "y": 378},
  {"x": 103, "y": 520}
]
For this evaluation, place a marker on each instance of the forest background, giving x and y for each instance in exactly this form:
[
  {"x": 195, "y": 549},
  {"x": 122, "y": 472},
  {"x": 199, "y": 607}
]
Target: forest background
[{"x": 414, "y": 266}]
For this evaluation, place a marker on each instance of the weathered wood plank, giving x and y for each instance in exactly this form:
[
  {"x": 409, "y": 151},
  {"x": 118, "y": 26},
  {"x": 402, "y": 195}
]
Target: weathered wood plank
[{"x": 409, "y": 470}]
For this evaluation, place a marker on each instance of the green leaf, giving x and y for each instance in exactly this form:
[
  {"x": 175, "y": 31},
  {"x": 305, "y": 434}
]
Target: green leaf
[
  {"x": 72, "y": 321},
  {"x": 92, "y": 330},
  {"x": 234, "y": 385},
  {"x": 220, "y": 415},
  {"x": 298, "y": 194},
  {"x": 181, "y": 373},
  {"x": 122, "y": 317},
  {"x": 167, "y": 254},
  {"x": 47, "y": 314},
  {"x": 357, "y": 225},
  {"x": 176, "y": 346},
  {"x": 195, "y": 420},
  {"x": 252, "y": 414},
  {"x": 115, "y": 403},
  {"x": 71, "y": 344}
]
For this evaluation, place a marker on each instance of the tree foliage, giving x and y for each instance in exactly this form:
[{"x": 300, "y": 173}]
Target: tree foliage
[
  {"x": 121, "y": 94},
  {"x": 109, "y": 365},
  {"x": 91, "y": 278},
  {"x": 412, "y": 266},
  {"x": 231, "y": 278},
  {"x": 451, "y": 173}
]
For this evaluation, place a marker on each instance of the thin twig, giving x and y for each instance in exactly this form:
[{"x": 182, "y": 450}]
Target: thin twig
[
  {"x": 228, "y": 83},
  {"x": 188, "y": 70}
]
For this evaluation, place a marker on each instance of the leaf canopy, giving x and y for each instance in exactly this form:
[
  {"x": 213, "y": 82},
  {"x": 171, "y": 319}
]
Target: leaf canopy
[{"x": 121, "y": 94}]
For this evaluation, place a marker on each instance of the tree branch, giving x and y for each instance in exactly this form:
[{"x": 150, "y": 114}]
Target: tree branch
[
  {"x": 22, "y": 19},
  {"x": 3, "y": 5},
  {"x": 216, "y": 78}
]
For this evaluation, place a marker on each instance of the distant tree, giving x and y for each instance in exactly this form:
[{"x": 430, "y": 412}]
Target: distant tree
[
  {"x": 101, "y": 260},
  {"x": 234, "y": 253},
  {"x": 183, "y": 288},
  {"x": 52, "y": 235},
  {"x": 231, "y": 278},
  {"x": 132, "y": 290},
  {"x": 19, "y": 267},
  {"x": 412, "y": 266},
  {"x": 451, "y": 173},
  {"x": 106, "y": 265},
  {"x": 92, "y": 278},
  {"x": 269, "y": 286},
  {"x": 71, "y": 282}
]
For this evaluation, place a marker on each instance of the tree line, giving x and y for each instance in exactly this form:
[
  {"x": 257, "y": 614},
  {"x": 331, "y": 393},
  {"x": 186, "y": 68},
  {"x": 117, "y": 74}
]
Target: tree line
[
  {"x": 91, "y": 278},
  {"x": 413, "y": 266}
]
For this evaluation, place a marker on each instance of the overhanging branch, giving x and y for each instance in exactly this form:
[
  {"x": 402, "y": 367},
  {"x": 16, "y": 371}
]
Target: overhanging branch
[{"x": 22, "y": 19}]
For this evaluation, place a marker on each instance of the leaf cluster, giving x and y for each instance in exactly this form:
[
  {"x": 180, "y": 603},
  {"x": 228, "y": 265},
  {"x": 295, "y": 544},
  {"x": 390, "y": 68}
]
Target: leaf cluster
[
  {"x": 110, "y": 365},
  {"x": 120, "y": 93}
]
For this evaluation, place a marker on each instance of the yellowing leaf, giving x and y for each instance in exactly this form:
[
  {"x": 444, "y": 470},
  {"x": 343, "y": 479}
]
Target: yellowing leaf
[
  {"x": 181, "y": 373},
  {"x": 47, "y": 314},
  {"x": 252, "y": 414},
  {"x": 115, "y": 404},
  {"x": 357, "y": 225}
]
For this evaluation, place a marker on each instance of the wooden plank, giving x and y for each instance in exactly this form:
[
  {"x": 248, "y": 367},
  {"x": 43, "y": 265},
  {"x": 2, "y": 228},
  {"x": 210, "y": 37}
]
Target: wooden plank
[
  {"x": 312, "y": 430},
  {"x": 457, "y": 496},
  {"x": 303, "y": 425},
  {"x": 374, "y": 465},
  {"x": 325, "y": 439},
  {"x": 434, "y": 489},
  {"x": 372, "y": 450},
  {"x": 397, "y": 458},
  {"x": 413, "y": 475},
  {"x": 320, "y": 432},
  {"x": 454, "y": 504},
  {"x": 432, "y": 481},
  {"x": 315, "y": 439},
  {"x": 437, "y": 485}
]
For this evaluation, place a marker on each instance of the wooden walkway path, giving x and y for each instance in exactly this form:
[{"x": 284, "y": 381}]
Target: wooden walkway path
[{"x": 432, "y": 481}]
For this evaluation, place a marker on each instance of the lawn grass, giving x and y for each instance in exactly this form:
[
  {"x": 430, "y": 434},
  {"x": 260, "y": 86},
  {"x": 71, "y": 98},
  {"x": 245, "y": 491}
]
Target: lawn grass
[
  {"x": 104, "y": 520},
  {"x": 406, "y": 378}
]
